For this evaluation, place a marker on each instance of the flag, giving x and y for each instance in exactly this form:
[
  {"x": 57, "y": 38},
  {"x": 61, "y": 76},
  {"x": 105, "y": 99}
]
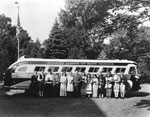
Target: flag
[
  {"x": 18, "y": 23},
  {"x": 18, "y": 27}
]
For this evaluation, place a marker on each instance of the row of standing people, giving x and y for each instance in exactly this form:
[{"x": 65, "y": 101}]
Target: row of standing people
[{"x": 77, "y": 85}]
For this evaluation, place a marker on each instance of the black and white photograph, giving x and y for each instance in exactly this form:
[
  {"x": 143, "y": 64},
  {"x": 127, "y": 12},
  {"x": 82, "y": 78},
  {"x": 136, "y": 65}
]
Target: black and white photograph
[{"x": 74, "y": 58}]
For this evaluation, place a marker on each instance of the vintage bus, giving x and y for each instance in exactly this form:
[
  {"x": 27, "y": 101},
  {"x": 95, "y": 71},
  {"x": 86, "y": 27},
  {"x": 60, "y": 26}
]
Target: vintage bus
[{"x": 19, "y": 73}]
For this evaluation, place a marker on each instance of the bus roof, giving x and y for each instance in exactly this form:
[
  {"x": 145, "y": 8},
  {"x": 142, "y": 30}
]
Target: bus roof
[
  {"x": 76, "y": 60},
  {"x": 72, "y": 62}
]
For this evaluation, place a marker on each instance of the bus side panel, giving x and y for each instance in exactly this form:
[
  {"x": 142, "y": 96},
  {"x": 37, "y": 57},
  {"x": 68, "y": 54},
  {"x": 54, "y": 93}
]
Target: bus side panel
[{"x": 22, "y": 75}]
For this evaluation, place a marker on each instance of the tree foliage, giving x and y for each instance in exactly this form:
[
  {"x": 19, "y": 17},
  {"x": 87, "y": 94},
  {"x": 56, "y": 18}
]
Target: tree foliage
[
  {"x": 9, "y": 43},
  {"x": 55, "y": 45},
  {"x": 8, "y": 50},
  {"x": 86, "y": 23},
  {"x": 33, "y": 50}
]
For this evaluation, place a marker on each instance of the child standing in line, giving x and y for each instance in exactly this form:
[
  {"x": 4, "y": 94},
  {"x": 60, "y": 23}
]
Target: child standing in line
[{"x": 122, "y": 89}]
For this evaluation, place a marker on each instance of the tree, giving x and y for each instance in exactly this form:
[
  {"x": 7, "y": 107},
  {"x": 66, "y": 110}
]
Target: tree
[
  {"x": 8, "y": 50},
  {"x": 90, "y": 18},
  {"x": 128, "y": 41},
  {"x": 55, "y": 45},
  {"x": 86, "y": 23},
  {"x": 33, "y": 49}
]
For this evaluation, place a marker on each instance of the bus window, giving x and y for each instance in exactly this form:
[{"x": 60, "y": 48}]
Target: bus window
[
  {"x": 22, "y": 69},
  {"x": 78, "y": 69},
  {"x": 104, "y": 69},
  {"x": 69, "y": 69},
  {"x": 96, "y": 69},
  {"x": 83, "y": 69},
  {"x": 132, "y": 70},
  {"x": 109, "y": 69},
  {"x": 39, "y": 69},
  {"x": 55, "y": 69},
  {"x": 50, "y": 69},
  {"x": 118, "y": 70},
  {"x": 123, "y": 70},
  {"x": 66, "y": 69},
  {"x": 91, "y": 69}
]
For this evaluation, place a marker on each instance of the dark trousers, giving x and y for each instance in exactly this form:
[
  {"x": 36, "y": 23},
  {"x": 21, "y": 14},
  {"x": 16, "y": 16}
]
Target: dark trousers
[
  {"x": 48, "y": 90},
  {"x": 56, "y": 90},
  {"x": 77, "y": 91},
  {"x": 33, "y": 89}
]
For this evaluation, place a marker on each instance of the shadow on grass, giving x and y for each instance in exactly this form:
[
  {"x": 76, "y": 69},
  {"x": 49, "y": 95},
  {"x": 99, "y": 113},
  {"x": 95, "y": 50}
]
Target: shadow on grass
[
  {"x": 23, "y": 105},
  {"x": 143, "y": 104},
  {"x": 136, "y": 94}
]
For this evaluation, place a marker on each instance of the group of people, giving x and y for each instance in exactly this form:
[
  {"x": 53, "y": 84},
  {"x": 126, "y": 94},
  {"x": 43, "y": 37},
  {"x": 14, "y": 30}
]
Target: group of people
[{"x": 78, "y": 85}]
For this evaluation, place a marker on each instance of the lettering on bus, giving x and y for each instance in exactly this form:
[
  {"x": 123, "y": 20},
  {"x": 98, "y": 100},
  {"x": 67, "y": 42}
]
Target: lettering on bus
[
  {"x": 87, "y": 63},
  {"x": 74, "y": 63}
]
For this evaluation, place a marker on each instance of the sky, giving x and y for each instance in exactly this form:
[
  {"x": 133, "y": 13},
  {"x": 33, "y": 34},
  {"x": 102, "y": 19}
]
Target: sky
[{"x": 36, "y": 16}]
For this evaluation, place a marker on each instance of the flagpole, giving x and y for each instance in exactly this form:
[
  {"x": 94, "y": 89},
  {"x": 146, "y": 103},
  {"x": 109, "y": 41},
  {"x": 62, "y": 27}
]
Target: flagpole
[
  {"x": 18, "y": 29},
  {"x": 18, "y": 35}
]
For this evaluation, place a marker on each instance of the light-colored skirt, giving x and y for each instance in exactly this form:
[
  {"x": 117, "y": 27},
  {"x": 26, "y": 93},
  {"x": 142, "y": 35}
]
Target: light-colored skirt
[
  {"x": 116, "y": 87},
  {"x": 95, "y": 90},
  {"x": 89, "y": 88},
  {"x": 122, "y": 88},
  {"x": 63, "y": 89},
  {"x": 70, "y": 87}
]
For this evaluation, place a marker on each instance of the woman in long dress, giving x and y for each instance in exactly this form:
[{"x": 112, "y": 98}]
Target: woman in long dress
[
  {"x": 33, "y": 88},
  {"x": 116, "y": 79},
  {"x": 101, "y": 88},
  {"x": 63, "y": 85},
  {"x": 83, "y": 85},
  {"x": 108, "y": 85},
  {"x": 70, "y": 81},
  {"x": 89, "y": 86},
  {"x": 56, "y": 85},
  {"x": 95, "y": 86}
]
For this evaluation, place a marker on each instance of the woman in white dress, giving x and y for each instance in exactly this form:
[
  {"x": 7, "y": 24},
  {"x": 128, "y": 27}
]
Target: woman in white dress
[
  {"x": 70, "y": 81},
  {"x": 89, "y": 86},
  {"x": 116, "y": 79},
  {"x": 63, "y": 85},
  {"x": 95, "y": 86}
]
